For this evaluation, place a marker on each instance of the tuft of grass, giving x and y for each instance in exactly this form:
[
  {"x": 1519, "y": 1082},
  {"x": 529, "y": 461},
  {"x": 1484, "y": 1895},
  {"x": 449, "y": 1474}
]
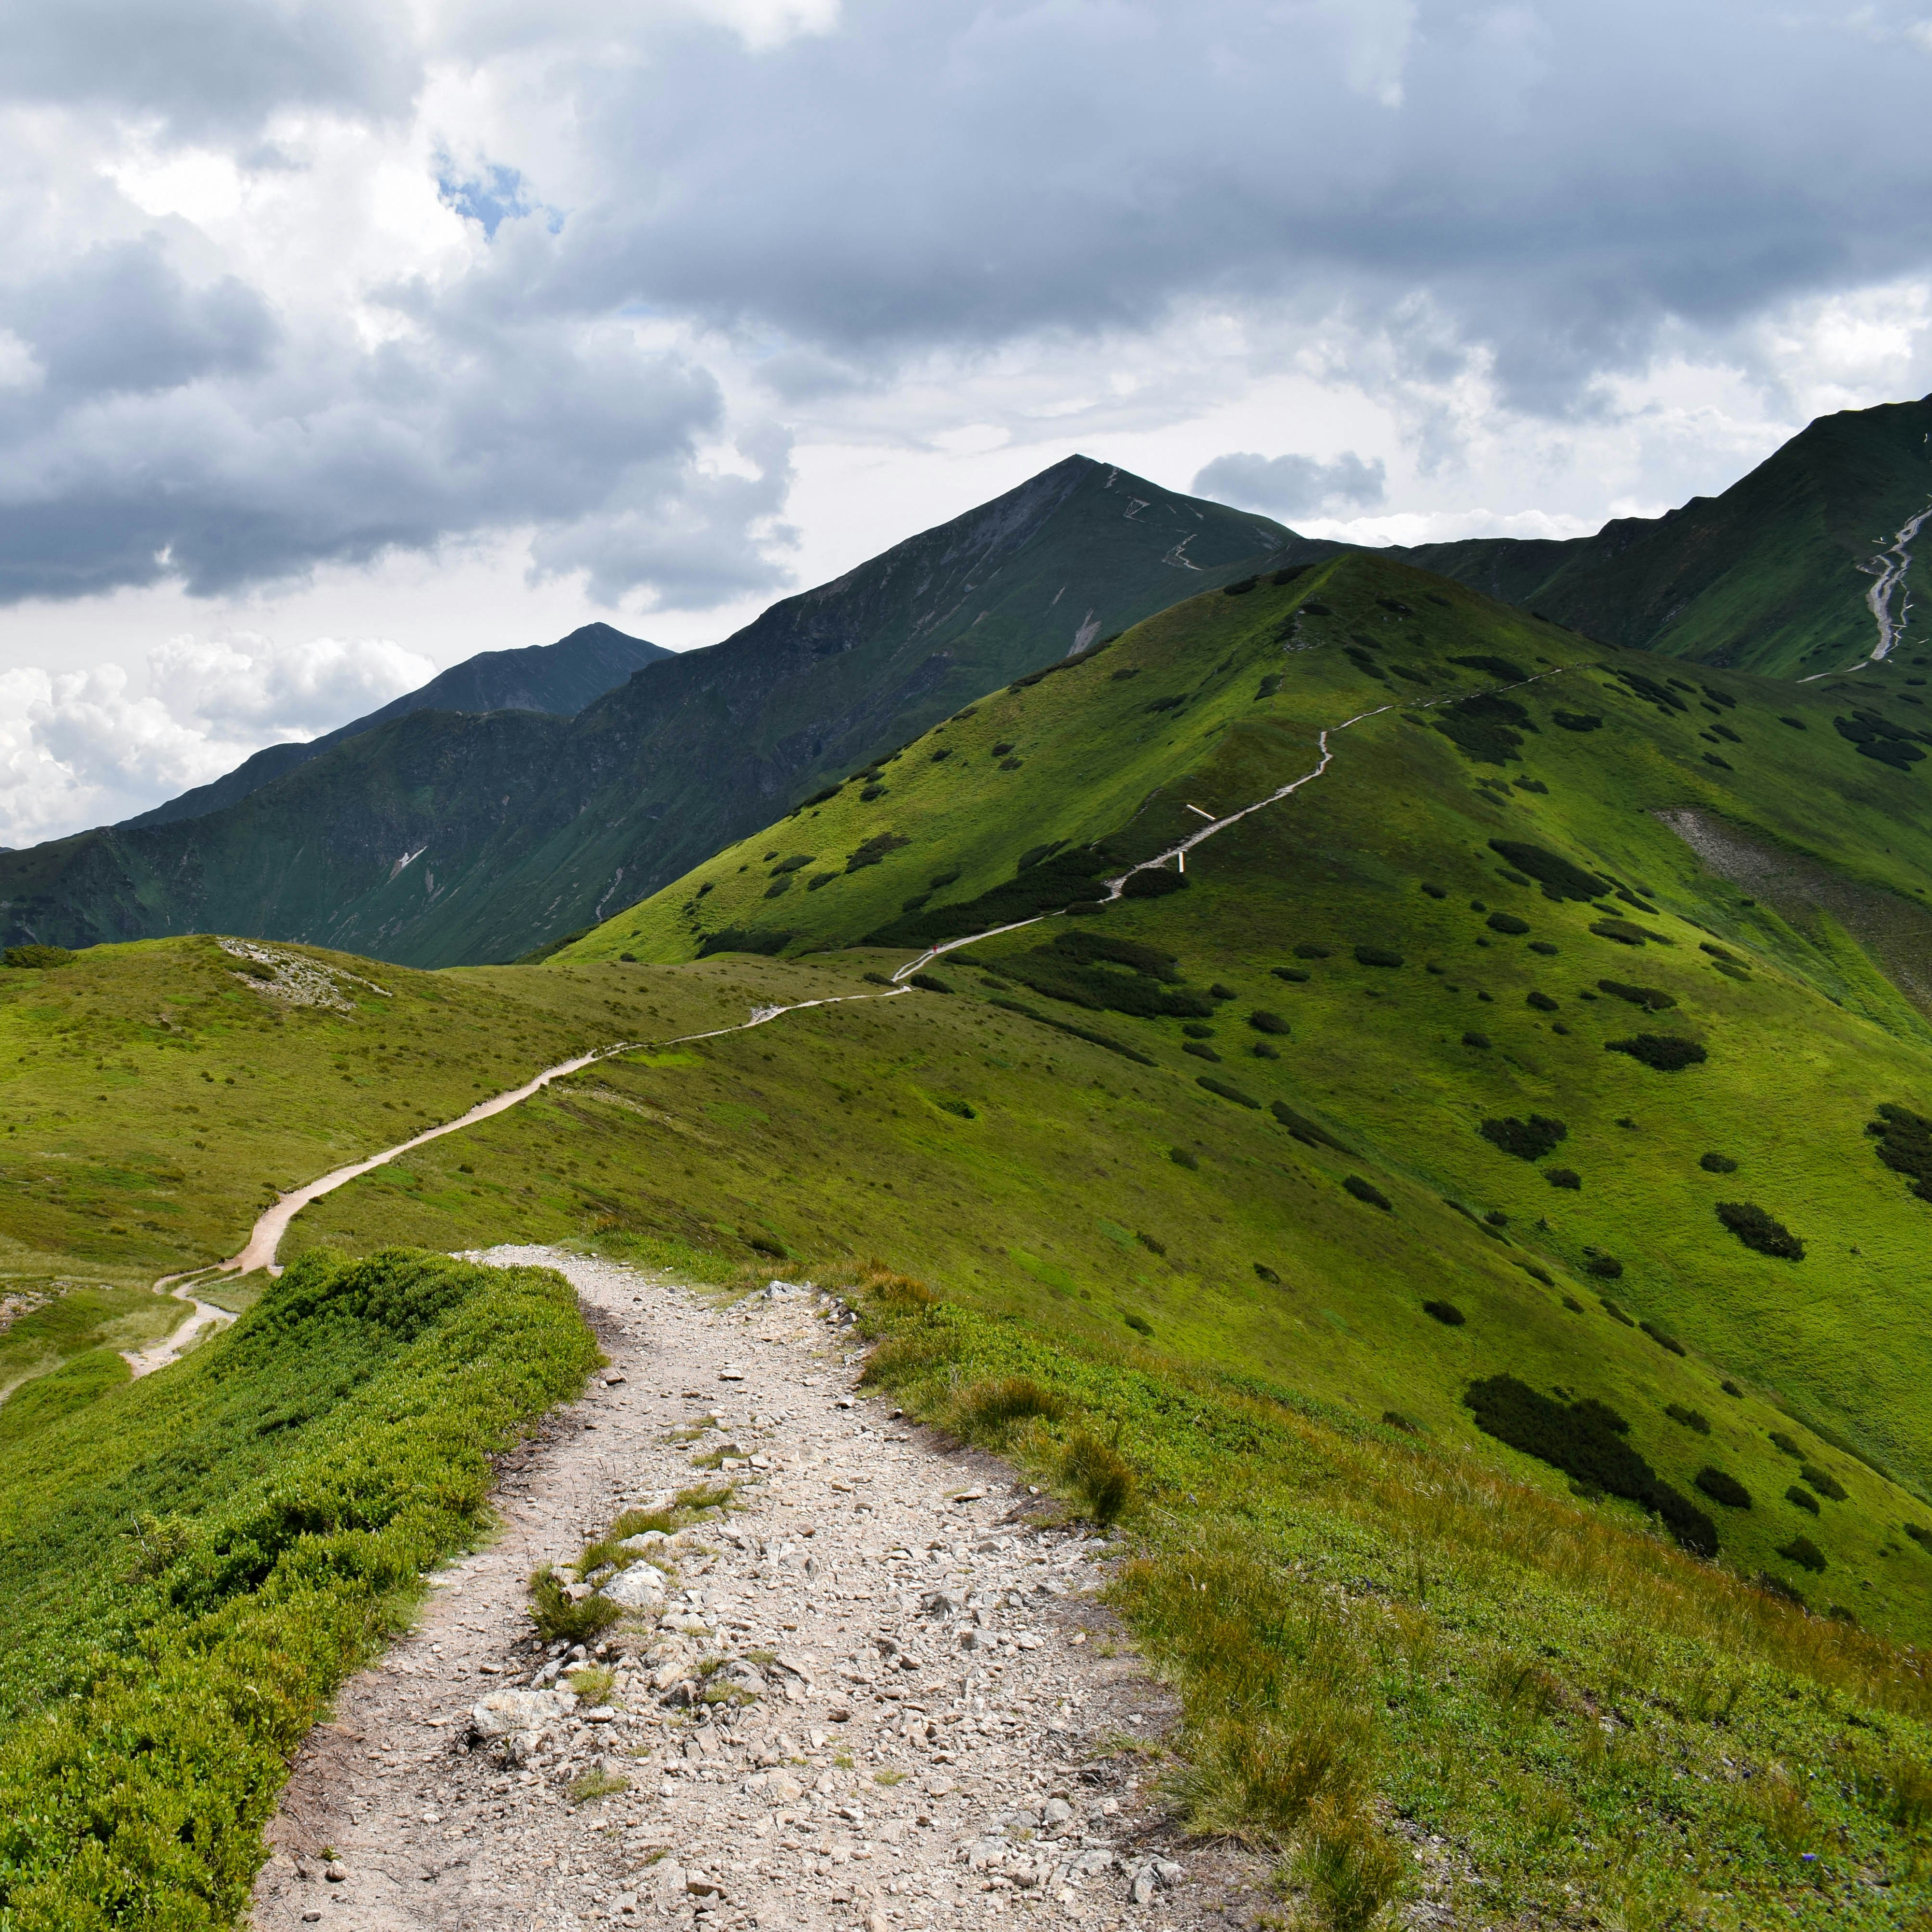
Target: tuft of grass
[
  {"x": 990, "y": 1411},
  {"x": 1350, "y": 1868},
  {"x": 1100, "y": 1476},
  {"x": 559, "y": 1616},
  {"x": 590, "y": 1785},
  {"x": 594, "y": 1683}
]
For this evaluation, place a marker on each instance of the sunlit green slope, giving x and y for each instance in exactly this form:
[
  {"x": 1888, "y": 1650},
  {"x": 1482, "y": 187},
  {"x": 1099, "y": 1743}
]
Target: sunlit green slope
[{"x": 1498, "y": 1012}]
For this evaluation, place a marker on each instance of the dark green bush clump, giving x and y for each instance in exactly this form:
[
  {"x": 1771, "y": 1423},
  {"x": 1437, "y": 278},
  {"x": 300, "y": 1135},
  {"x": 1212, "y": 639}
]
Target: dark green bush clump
[
  {"x": 875, "y": 850},
  {"x": 1061, "y": 972},
  {"x": 992, "y": 1408},
  {"x": 1691, "y": 1418},
  {"x": 1721, "y": 1488},
  {"x": 1293, "y": 975},
  {"x": 1139, "y": 1324},
  {"x": 1784, "y": 1445},
  {"x": 1757, "y": 1230},
  {"x": 1803, "y": 1498},
  {"x": 1585, "y": 1440},
  {"x": 1201, "y": 1052},
  {"x": 1153, "y": 883},
  {"x": 1558, "y": 878},
  {"x": 1508, "y": 922},
  {"x": 1045, "y": 887},
  {"x": 1219, "y": 992},
  {"x": 1920, "y": 1534},
  {"x": 1446, "y": 1312},
  {"x": 1527, "y": 1140},
  {"x": 1730, "y": 1388},
  {"x": 1239, "y": 588},
  {"x": 745, "y": 939},
  {"x": 1563, "y": 1176},
  {"x": 1480, "y": 1040},
  {"x": 1544, "y": 946},
  {"x": 1486, "y": 730},
  {"x": 1541, "y": 1002},
  {"x": 1496, "y": 666},
  {"x": 1376, "y": 955},
  {"x": 1366, "y": 1191},
  {"x": 1267, "y": 1022},
  {"x": 1435, "y": 892},
  {"x": 1226, "y": 1092},
  {"x": 1662, "y": 1339},
  {"x": 1307, "y": 949},
  {"x": 1824, "y": 1482},
  {"x": 962, "y": 1108},
  {"x": 1625, "y": 933},
  {"x": 1576, "y": 720},
  {"x": 1087, "y": 947},
  {"x": 931, "y": 983},
  {"x": 40, "y": 959},
  {"x": 1904, "y": 1143},
  {"x": 1663, "y": 1052},
  {"x": 1803, "y": 1552},
  {"x": 1181, "y": 1157},
  {"x": 1306, "y": 1130},
  {"x": 1717, "y": 1163},
  {"x": 1652, "y": 998},
  {"x": 1267, "y": 1274}
]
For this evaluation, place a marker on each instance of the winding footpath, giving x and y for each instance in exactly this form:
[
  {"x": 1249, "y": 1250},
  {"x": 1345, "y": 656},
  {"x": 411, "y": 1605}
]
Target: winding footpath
[
  {"x": 1889, "y": 567},
  {"x": 921, "y": 1716}
]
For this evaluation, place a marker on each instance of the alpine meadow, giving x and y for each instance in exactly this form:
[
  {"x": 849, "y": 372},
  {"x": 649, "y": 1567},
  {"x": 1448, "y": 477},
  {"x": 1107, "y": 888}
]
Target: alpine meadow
[{"x": 1391, "y": 1090}]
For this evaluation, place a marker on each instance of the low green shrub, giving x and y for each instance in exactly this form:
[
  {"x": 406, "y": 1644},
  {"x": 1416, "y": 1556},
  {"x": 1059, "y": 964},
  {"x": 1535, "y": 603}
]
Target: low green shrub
[
  {"x": 1758, "y": 1230},
  {"x": 1367, "y": 1192},
  {"x": 1905, "y": 1145},
  {"x": 1576, "y": 720},
  {"x": 1086, "y": 947},
  {"x": 1479, "y": 1040},
  {"x": 1731, "y": 1388},
  {"x": 1824, "y": 1482},
  {"x": 1653, "y": 998},
  {"x": 962, "y": 1108},
  {"x": 1263, "y": 1021},
  {"x": 1086, "y": 1034},
  {"x": 1717, "y": 1163},
  {"x": 1626, "y": 933},
  {"x": 1293, "y": 975},
  {"x": 1140, "y": 1325},
  {"x": 1226, "y": 1091},
  {"x": 1507, "y": 922},
  {"x": 1803, "y": 1552},
  {"x": 932, "y": 983},
  {"x": 1181, "y": 1157},
  {"x": 1435, "y": 892},
  {"x": 766, "y": 941},
  {"x": 1446, "y": 1312},
  {"x": 1540, "y": 1003},
  {"x": 1200, "y": 1050},
  {"x": 1803, "y": 1498},
  {"x": 45, "y": 958},
  {"x": 1584, "y": 1439},
  {"x": 1662, "y": 1339},
  {"x": 1262, "y": 1051},
  {"x": 1218, "y": 991},
  {"x": 1722, "y": 1488},
  {"x": 1376, "y": 955},
  {"x": 1309, "y": 1132},
  {"x": 1558, "y": 876},
  {"x": 1563, "y": 1176},
  {"x": 1153, "y": 883},
  {"x": 1527, "y": 1140},
  {"x": 797, "y": 861},
  {"x": 1691, "y": 1418},
  {"x": 1196, "y": 1030},
  {"x": 1920, "y": 1534},
  {"x": 1148, "y": 1242},
  {"x": 1308, "y": 949},
  {"x": 1663, "y": 1052},
  {"x": 1267, "y": 1274},
  {"x": 1544, "y": 946}
]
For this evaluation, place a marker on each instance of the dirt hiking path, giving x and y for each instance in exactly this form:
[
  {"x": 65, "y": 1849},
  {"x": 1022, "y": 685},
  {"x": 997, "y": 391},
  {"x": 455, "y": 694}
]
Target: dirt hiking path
[{"x": 936, "y": 1728}]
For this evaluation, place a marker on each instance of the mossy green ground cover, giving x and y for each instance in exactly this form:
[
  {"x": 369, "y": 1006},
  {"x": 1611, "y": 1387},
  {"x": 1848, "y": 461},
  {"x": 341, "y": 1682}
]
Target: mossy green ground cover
[{"x": 188, "y": 1567}]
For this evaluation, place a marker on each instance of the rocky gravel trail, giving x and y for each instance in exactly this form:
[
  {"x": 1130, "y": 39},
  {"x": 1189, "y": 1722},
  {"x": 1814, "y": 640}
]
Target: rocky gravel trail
[{"x": 918, "y": 1716}]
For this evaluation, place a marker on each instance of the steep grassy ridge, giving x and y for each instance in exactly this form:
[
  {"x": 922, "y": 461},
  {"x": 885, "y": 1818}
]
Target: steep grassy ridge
[{"x": 1771, "y": 576}]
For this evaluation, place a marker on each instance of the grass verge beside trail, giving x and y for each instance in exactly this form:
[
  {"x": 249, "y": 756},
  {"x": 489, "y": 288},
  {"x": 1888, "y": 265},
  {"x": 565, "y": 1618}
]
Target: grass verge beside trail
[
  {"x": 190, "y": 1565},
  {"x": 1398, "y": 1667}
]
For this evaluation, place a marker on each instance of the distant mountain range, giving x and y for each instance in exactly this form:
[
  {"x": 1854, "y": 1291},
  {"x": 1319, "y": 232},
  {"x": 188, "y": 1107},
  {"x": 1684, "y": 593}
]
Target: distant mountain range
[
  {"x": 562, "y": 678},
  {"x": 440, "y": 837},
  {"x": 526, "y": 794}
]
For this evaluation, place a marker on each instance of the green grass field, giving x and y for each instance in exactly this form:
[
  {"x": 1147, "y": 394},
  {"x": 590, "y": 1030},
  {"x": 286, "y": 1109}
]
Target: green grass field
[{"x": 1199, "y": 1163}]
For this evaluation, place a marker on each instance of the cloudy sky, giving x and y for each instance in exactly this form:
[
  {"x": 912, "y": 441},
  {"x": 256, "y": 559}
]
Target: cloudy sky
[{"x": 339, "y": 339}]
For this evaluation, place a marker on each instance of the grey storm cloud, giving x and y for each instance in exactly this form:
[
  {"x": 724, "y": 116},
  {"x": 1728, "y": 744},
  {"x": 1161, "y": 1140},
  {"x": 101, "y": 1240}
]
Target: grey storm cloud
[
  {"x": 1549, "y": 190},
  {"x": 1289, "y": 486}
]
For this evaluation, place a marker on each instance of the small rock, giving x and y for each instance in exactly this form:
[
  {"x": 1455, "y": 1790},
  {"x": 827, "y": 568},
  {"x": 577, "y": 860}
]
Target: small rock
[
  {"x": 731, "y": 1375},
  {"x": 943, "y": 1603},
  {"x": 641, "y": 1587},
  {"x": 1167, "y": 1872},
  {"x": 614, "y": 1379},
  {"x": 1141, "y": 1890},
  {"x": 843, "y": 1401},
  {"x": 782, "y": 1789},
  {"x": 335, "y": 1871},
  {"x": 1056, "y": 1814}
]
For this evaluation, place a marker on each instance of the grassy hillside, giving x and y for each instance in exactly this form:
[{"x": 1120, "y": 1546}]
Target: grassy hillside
[{"x": 1360, "y": 1188}]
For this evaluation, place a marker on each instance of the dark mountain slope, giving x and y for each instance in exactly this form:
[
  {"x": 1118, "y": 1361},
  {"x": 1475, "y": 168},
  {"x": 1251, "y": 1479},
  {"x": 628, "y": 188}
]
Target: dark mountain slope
[
  {"x": 1772, "y": 576},
  {"x": 563, "y": 677},
  {"x": 438, "y": 839}
]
